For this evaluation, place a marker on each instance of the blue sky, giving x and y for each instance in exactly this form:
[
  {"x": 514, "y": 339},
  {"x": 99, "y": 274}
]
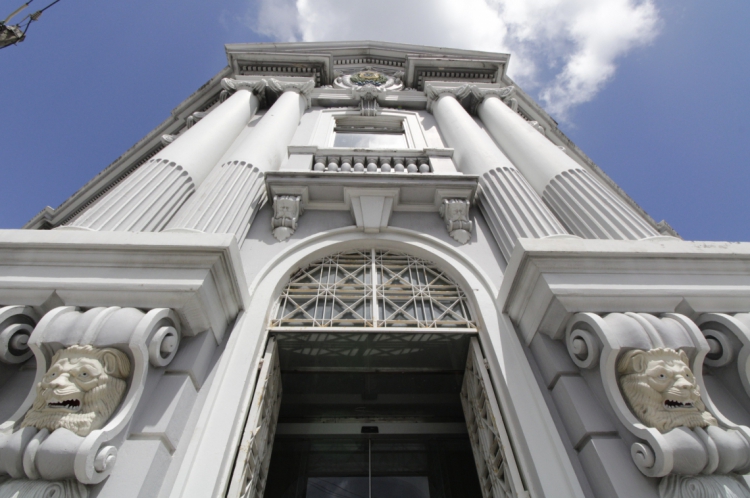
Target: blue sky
[{"x": 669, "y": 124}]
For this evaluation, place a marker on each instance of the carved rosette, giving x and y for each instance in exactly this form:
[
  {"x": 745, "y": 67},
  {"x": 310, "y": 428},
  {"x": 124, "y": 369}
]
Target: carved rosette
[{"x": 455, "y": 213}]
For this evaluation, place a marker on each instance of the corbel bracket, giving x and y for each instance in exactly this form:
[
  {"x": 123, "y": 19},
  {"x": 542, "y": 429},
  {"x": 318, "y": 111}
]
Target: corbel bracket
[
  {"x": 663, "y": 443},
  {"x": 368, "y": 99},
  {"x": 455, "y": 213},
  {"x": 128, "y": 343},
  {"x": 286, "y": 212}
]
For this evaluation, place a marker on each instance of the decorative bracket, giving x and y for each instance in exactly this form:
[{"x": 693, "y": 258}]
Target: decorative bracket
[
  {"x": 455, "y": 213},
  {"x": 435, "y": 93},
  {"x": 118, "y": 345},
  {"x": 688, "y": 448},
  {"x": 371, "y": 207},
  {"x": 368, "y": 99},
  {"x": 286, "y": 212}
]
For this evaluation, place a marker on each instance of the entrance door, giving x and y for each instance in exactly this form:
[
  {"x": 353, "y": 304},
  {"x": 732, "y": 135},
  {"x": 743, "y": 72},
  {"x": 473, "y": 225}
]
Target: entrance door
[
  {"x": 254, "y": 456},
  {"x": 385, "y": 389},
  {"x": 494, "y": 458}
]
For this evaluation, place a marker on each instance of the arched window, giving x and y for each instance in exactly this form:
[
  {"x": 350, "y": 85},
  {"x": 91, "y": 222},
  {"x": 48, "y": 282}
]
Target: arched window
[{"x": 372, "y": 288}]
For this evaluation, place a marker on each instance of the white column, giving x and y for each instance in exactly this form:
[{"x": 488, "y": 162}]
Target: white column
[
  {"x": 148, "y": 198},
  {"x": 234, "y": 190},
  {"x": 585, "y": 206},
  {"x": 510, "y": 205}
]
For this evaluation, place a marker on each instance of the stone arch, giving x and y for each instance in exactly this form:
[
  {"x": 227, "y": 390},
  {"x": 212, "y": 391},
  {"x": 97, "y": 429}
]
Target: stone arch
[{"x": 538, "y": 451}]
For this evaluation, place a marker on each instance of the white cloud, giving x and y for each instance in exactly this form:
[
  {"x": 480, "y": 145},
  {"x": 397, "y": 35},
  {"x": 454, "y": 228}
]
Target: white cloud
[{"x": 566, "y": 50}]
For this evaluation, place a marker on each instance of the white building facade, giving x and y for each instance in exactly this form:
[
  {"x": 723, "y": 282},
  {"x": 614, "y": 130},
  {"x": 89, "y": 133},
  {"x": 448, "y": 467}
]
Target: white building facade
[{"x": 367, "y": 269}]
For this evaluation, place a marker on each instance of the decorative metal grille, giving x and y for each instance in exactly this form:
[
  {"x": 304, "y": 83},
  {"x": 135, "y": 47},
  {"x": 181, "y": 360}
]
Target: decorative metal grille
[
  {"x": 498, "y": 473},
  {"x": 254, "y": 457},
  {"x": 372, "y": 288}
]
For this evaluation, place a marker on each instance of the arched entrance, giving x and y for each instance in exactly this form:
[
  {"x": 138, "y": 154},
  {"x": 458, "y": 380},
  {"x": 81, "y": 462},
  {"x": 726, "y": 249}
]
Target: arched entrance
[{"x": 373, "y": 384}]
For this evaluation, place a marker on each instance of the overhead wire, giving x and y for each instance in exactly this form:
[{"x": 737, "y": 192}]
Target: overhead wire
[{"x": 25, "y": 23}]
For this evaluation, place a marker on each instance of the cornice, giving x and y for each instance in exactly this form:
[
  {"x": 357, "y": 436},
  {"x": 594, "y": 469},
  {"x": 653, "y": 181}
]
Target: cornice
[{"x": 200, "y": 276}]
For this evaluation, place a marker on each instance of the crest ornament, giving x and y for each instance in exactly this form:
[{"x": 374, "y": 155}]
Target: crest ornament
[{"x": 369, "y": 78}]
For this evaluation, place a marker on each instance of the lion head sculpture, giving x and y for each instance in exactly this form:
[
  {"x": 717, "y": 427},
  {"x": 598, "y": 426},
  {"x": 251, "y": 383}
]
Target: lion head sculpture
[
  {"x": 80, "y": 391},
  {"x": 661, "y": 390}
]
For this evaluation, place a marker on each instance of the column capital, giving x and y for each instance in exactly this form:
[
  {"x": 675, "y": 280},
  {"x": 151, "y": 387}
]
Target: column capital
[
  {"x": 504, "y": 94},
  {"x": 231, "y": 85},
  {"x": 304, "y": 88},
  {"x": 482, "y": 93},
  {"x": 434, "y": 93}
]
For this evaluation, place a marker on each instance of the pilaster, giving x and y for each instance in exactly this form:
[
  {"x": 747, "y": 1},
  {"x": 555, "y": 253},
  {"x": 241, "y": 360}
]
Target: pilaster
[
  {"x": 234, "y": 190},
  {"x": 584, "y": 206},
  {"x": 509, "y": 203},
  {"x": 146, "y": 200}
]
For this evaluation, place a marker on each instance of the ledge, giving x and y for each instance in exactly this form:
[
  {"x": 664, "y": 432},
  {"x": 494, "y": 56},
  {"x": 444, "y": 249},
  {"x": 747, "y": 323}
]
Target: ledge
[
  {"x": 420, "y": 192},
  {"x": 198, "y": 275},
  {"x": 548, "y": 280}
]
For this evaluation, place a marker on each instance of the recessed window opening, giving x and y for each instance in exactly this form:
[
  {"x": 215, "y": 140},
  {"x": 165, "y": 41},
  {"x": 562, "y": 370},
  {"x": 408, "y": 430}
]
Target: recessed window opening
[
  {"x": 370, "y": 132},
  {"x": 373, "y": 288}
]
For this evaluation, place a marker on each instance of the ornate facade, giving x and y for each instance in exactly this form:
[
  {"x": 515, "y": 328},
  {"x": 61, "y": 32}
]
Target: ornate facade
[{"x": 367, "y": 269}]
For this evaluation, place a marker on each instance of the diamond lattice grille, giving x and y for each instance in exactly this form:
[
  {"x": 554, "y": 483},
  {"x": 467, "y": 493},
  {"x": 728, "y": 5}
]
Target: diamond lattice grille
[{"x": 372, "y": 288}]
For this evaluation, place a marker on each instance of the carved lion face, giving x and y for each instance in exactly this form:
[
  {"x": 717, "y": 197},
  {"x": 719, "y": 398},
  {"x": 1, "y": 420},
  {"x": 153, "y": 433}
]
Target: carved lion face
[
  {"x": 661, "y": 390},
  {"x": 81, "y": 389}
]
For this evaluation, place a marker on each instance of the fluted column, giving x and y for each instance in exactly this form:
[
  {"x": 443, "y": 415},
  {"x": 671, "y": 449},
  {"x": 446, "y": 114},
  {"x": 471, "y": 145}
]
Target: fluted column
[
  {"x": 585, "y": 206},
  {"x": 510, "y": 205},
  {"x": 234, "y": 190},
  {"x": 148, "y": 198}
]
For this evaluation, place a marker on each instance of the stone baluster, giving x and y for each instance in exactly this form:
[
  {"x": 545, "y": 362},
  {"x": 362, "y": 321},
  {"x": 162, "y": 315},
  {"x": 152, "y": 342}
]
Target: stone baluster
[
  {"x": 234, "y": 190},
  {"x": 511, "y": 207},
  {"x": 585, "y": 206},
  {"x": 148, "y": 198}
]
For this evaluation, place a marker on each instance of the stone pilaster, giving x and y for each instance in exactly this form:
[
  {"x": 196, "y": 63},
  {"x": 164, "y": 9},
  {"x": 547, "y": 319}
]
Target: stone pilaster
[
  {"x": 512, "y": 207},
  {"x": 234, "y": 190},
  {"x": 147, "y": 199},
  {"x": 585, "y": 206}
]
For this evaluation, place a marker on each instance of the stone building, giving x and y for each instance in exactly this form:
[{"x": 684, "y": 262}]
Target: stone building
[{"x": 367, "y": 269}]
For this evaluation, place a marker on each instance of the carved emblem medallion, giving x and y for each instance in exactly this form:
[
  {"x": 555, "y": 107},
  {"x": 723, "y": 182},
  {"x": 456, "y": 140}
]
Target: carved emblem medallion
[{"x": 369, "y": 77}]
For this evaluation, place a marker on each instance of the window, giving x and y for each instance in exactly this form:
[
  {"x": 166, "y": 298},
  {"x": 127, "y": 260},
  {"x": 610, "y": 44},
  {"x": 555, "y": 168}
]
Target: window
[
  {"x": 372, "y": 288},
  {"x": 365, "y": 132}
]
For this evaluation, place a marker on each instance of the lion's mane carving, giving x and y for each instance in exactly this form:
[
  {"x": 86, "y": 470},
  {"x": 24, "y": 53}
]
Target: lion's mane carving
[
  {"x": 661, "y": 390},
  {"x": 80, "y": 391}
]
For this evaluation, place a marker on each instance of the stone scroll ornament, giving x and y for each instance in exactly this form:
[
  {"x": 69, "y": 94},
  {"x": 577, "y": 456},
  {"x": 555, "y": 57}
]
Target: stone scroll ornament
[
  {"x": 650, "y": 368},
  {"x": 91, "y": 370}
]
